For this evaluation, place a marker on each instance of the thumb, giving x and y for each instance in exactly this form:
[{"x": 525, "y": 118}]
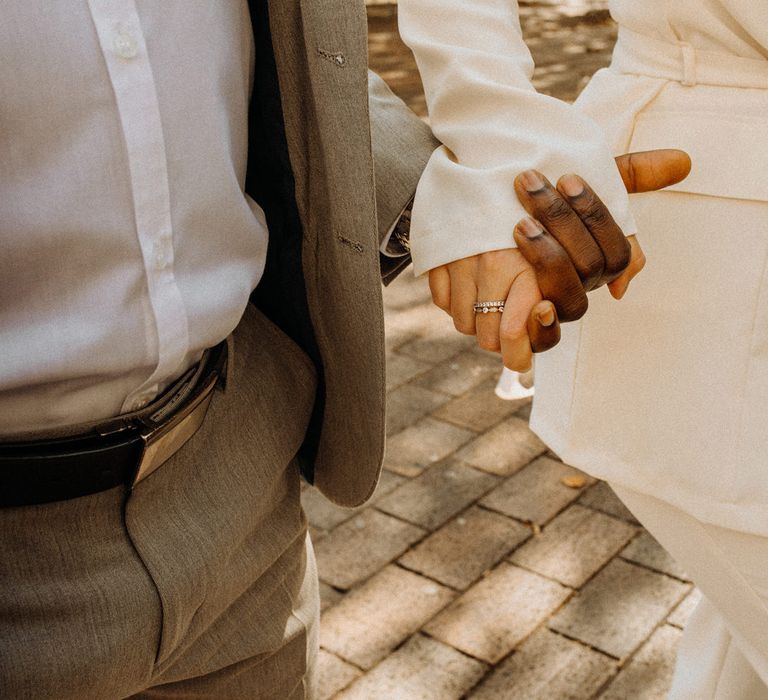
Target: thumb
[
  {"x": 653, "y": 170},
  {"x": 543, "y": 327}
]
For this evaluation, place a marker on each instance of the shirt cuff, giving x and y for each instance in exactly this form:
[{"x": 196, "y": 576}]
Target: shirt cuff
[{"x": 396, "y": 243}]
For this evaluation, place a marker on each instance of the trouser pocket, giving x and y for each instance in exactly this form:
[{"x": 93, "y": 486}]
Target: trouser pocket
[{"x": 79, "y": 614}]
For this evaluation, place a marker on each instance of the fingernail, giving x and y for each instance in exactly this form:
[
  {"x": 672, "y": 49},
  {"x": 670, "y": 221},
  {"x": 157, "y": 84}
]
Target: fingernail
[
  {"x": 572, "y": 185},
  {"x": 547, "y": 317},
  {"x": 530, "y": 228},
  {"x": 532, "y": 181},
  {"x": 619, "y": 292}
]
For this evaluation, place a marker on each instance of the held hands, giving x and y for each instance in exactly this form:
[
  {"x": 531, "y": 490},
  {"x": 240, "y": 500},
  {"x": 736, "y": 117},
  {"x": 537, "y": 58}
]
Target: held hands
[{"x": 568, "y": 246}]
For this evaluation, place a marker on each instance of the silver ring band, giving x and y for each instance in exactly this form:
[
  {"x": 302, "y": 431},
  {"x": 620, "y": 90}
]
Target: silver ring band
[{"x": 489, "y": 307}]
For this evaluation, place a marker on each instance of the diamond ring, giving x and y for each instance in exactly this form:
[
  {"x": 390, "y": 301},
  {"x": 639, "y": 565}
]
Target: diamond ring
[{"x": 489, "y": 307}]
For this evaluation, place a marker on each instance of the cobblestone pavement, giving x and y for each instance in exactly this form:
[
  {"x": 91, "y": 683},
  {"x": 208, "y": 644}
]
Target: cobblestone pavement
[{"x": 484, "y": 567}]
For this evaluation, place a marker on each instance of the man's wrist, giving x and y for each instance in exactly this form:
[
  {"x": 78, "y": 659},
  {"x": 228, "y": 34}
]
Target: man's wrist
[
  {"x": 400, "y": 241},
  {"x": 397, "y": 243}
]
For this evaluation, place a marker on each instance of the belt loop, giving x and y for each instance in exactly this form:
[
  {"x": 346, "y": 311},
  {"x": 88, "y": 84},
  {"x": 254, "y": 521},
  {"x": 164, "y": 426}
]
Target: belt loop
[{"x": 689, "y": 65}]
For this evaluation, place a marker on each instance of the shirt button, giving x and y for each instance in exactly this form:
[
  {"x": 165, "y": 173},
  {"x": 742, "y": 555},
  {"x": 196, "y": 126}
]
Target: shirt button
[{"x": 125, "y": 44}]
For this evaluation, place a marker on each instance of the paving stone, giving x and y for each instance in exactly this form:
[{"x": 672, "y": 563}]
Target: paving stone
[
  {"x": 437, "y": 494},
  {"x": 461, "y": 373},
  {"x": 324, "y": 515},
  {"x": 406, "y": 325},
  {"x": 461, "y": 551},
  {"x": 648, "y": 676},
  {"x": 333, "y": 675},
  {"x": 359, "y": 547},
  {"x": 535, "y": 494},
  {"x": 505, "y": 449},
  {"x": 409, "y": 403},
  {"x": 479, "y": 409},
  {"x": 680, "y": 615},
  {"x": 524, "y": 411},
  {"x": 376, "y": 617},
  {"x": 422, "y": 321},
  {"x": 422, "y": 669},
  {"x": 328, "y": 596},
  {"x": 493, "y": 616},
  {"x": 422, "y": 444},
  {"x": 401, "y": 369},
  {"x": 487, "y": 353},
  {"x": 601, "y": 497},
  {"x": 547, "y": 666},
  {"x": 645, "y": 550},
  {"x": 407, "y": 291},
  {"x": 574, "y": 545},
  {"x": 439, "y": 346},
  {"x": 619, "y": 608},
  {"x": 388, "y": 482}
]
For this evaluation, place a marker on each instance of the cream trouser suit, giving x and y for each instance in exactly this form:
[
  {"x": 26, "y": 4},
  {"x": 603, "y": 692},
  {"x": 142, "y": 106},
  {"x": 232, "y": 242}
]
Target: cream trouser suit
[{"x": 665, "y": 394}]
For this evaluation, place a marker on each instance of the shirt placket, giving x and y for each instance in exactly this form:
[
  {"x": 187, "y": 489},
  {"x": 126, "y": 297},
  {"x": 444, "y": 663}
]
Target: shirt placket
[{"x": 130, "y": 71}]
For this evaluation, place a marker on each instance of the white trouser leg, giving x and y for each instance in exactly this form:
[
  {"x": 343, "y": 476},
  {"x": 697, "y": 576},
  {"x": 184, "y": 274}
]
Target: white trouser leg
[
  {"x": 710, "y": 664},
  {"x": 724, "y": 651}
]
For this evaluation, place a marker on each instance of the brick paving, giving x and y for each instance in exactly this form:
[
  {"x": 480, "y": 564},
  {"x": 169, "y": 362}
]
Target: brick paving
[{"x": 484, "y": 568}]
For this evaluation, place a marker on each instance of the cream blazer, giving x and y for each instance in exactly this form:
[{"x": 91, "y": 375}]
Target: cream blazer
[
  {"x": 666, "y": 392},
  {"x": 476, "y": 71}
]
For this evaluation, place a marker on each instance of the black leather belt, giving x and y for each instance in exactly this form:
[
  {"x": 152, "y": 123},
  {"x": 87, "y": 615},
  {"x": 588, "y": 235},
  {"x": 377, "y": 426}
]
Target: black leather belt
[{"x": 44, "y": 471}]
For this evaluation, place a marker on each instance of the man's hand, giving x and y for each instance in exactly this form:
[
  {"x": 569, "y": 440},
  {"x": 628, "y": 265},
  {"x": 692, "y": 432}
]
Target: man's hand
[{"x": 569, "y": 246}]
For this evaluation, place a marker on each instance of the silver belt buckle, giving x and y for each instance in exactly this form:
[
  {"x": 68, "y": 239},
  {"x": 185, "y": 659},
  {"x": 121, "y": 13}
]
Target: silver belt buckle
[{"x": 163, "y": 442}]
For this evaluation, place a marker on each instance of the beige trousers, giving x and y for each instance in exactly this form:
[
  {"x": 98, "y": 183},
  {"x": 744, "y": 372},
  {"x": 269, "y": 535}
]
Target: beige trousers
[
  {"x": 724, "y": 651},
  {"x": 201, "y": 583}
]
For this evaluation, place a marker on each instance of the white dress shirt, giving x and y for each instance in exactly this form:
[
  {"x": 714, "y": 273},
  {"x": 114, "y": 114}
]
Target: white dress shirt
[{"x": 128, "y": 245}]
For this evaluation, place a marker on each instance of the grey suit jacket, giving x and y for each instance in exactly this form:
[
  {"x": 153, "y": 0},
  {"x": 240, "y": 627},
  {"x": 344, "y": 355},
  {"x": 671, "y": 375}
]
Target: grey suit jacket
[{"x": 334, "y": 158}]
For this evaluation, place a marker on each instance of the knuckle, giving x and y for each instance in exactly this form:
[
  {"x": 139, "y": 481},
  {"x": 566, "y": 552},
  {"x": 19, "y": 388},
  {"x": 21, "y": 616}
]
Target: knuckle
[
  {"x": 574, "y": 308},
  {"x": 463, "y": 266},
  {"x": 441, "y": 303},
  {"x": 511, "y": 334},
  {"x": 596, "y": 216},
  {"x": 621, "y": 260},
  {"x": 494, "y": 262},
  {"x": 590, "y": 268},
  {"x": 489, "y": 343},
  {"x": 441, "y": 297},
  {"x": 464, "y": 326},
  {"x": 595, "y": 268},
  {"x": 557, "y": 210}
]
